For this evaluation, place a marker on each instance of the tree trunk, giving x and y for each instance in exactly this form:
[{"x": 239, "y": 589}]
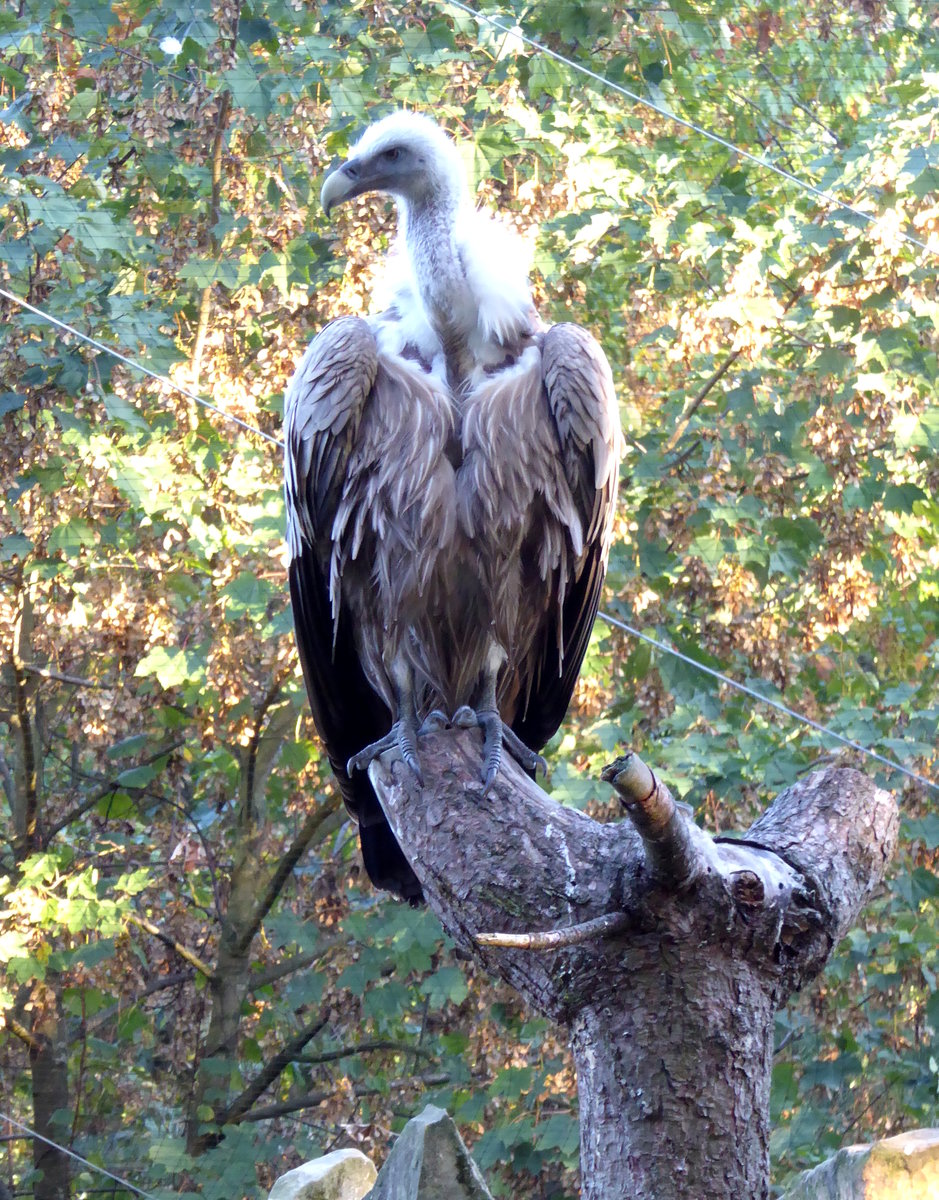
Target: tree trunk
[
  {"x": 671, "y": 1015},
  {"x": 255, "y": 886},
  {"x": 49, "y": 1077}
]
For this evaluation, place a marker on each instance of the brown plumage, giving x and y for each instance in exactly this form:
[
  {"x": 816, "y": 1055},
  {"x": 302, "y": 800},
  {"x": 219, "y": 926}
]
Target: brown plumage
[{"x": 451, "y": 469}]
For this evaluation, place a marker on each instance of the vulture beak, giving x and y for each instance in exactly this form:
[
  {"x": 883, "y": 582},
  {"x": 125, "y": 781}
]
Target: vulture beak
[{"x": 343, "y": 183}]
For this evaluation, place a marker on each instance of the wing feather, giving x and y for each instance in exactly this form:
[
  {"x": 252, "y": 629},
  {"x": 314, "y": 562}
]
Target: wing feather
[
  {"x": 323, "y": 411},
  {"x": 579, "y": 390}
]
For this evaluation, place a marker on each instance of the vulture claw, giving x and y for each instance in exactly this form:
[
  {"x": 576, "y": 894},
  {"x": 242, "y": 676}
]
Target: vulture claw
[
  {"x": 402, "y": 736},
  {"x": 497, "y": 736},
  {"x": 522, "y": 754},
  {"x": 493, "y": 731},
  {"x": 465, "y": 718},
  {"x": 435, "y": 720}
]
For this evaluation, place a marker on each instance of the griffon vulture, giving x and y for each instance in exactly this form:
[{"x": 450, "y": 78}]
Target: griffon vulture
[{"x": 451, "y": 472}]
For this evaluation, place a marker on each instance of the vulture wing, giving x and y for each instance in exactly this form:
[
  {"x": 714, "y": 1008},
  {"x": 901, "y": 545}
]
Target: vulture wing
[
  {"x": 579, "y": 391},
  {"x": 324, "y": 407}
]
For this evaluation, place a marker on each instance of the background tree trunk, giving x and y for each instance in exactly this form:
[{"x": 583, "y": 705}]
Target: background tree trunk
[
  {"x": 49, "y": 1067},
  {"x": 671, "y": 1018},
  {"x": 39, "y": 1023}
]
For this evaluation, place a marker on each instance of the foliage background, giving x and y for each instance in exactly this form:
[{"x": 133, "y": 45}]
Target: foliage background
[{"x": 199, "y": 989}]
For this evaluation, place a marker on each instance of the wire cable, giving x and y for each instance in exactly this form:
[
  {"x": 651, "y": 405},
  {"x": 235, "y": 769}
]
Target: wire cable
[
  {"x": 136, "y": 366},
  {"x": 131, "y": 1187},
  {"x": 517, "y": 32},
  {"x": 783, "y": 708}
]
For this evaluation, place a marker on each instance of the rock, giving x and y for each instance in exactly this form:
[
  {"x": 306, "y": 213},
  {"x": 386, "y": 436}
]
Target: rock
[
  {"x": 905, "y": 1167},
  {"x": 429, "y": 1162},
  {"x": 342, "y": 1175}
]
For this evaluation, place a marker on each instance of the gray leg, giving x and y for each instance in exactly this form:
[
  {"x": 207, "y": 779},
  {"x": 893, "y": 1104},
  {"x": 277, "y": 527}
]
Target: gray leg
[
  {"x": 402, "y": 736},
  {"x": 496, "y": 734}
]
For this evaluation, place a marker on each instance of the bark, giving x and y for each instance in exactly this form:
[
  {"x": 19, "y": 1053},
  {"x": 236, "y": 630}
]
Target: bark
[
  {"x": 44, "y": 1037},
  {"x": 671, "y": 1016}
]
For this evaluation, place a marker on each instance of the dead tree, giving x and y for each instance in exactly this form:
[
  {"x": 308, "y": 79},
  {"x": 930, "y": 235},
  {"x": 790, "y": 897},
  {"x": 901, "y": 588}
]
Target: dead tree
[{"x": 679, "y": 947}]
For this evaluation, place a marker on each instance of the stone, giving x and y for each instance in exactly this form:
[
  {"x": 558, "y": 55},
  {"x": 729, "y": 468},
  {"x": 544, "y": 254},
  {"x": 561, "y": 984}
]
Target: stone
[
  {"x": 905, "y": 1167},
  {"x": 342, "y": 1175},
  {"x": 429, "y": 1162}
]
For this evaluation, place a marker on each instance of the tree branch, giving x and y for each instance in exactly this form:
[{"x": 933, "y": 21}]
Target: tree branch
[
  {"x": 184, "y": 952},
  {"x": 26, "y": 806},
  {"x": 296, "y": 962},
  {"x": 676, "y": 849},
  {"x": 20, "y": 1030},
  {"x": 685, "y": 419},
  {"x": 557, "y": 939},
  {"x": 102, "y": 1018},
  {"x": 311, "y": 1099},
  {"x": 108, "y": 789},
  {"x": 215, "y": 202},
  {"x": 315, "y": 823},
  {"x": 76, "y": 680},
  {"x": 363, "y": 1048},
  {"x": 266, "y": 1076}
]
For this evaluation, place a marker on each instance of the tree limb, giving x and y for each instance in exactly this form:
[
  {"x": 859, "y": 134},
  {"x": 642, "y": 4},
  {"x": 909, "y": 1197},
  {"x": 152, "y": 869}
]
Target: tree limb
[
  {"x": 236, "y": 1111},
  {"x": 685, "y": 419},
  {"x": 288, "y": 966},
  {"x": 114, "y": 1010},
  {"x": 558, "y": 939},
  {"x": 676, "y": 849},
  {"x": 108, "y": 789},
  {"x": 16, "y": 1027},
  {"x": 315, "y": 823},
  {"x": 311, "y": 1099},
  {"x": 184, "y": 952},
  {"x": 76, "y": 680},
  {"x": 313, "y": 1060}
]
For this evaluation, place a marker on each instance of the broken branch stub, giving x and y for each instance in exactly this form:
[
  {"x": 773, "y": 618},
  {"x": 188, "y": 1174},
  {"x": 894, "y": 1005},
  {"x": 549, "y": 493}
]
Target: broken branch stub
[{"x": 665, "y": 952}]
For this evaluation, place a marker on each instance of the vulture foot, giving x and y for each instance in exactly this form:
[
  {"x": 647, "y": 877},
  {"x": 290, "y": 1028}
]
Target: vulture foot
[
  {"x": 402, "y": 736},
  {"x": 434, "y": 721},
  {"x": 496, "y": 735}
]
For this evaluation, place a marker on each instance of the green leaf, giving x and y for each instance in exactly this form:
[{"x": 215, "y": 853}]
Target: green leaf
[
  {"x": 446, "y": 984},
  {"x": 70, "y": 537},
  {"x": 247, "y": 89},
  {"x": 138, "y": 777},
  {"x": 171, "y": 667},
  {"x": 11, "y": 402},
  {"x": 204, "y": 272}
]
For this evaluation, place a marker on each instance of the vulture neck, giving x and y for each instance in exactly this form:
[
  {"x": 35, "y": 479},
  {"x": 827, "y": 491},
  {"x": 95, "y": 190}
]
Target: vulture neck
[{"x": 430, "y": 227}]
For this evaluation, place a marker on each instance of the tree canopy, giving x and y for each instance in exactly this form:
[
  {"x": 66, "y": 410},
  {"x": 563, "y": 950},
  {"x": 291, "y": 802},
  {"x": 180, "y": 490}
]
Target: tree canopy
[{"x": 198, "y": 986}]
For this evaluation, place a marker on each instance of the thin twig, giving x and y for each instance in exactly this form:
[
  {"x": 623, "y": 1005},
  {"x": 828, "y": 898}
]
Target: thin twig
[
  {"x": 313, "y": 1060},
  {"x": 61, "y": 677},
  {"x": 184, "y": 952},
  {"x": 558, "y": 939}
]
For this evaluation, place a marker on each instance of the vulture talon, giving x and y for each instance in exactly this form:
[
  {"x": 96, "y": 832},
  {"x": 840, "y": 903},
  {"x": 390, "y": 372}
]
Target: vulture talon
[
  {"x": 434, "y": 721},
  {"x": 401, "y": 737},
  {"x": 465, "y": 718},
  {"x": 522, "y": 754},
  {"x": 490, "y": 722},
  {"x": 497, "y": 737}
]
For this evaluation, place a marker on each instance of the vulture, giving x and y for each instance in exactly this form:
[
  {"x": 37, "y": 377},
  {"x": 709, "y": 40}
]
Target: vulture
[{"x": 451, "y": 473}]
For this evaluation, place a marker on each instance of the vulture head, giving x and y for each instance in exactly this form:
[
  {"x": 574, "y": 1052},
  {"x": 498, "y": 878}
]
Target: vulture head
[{"x": 406, "y": 155}]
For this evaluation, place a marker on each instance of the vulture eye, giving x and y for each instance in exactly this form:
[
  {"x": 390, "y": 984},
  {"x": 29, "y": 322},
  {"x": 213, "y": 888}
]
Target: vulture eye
[{"x": 392, "y": 154}]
